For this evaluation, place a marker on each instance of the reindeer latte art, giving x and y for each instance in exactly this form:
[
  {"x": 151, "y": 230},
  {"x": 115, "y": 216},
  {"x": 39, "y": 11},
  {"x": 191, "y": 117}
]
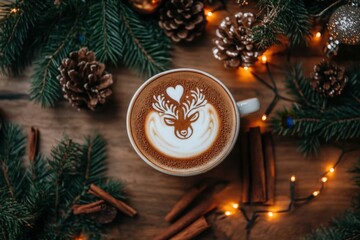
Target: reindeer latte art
[
  {"x": 182, "y": 127},
  {"x": 182, "y": 121}
]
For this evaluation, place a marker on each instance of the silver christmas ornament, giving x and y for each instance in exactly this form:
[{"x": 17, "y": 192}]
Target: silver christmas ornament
[{"x": 344, "y": 27}]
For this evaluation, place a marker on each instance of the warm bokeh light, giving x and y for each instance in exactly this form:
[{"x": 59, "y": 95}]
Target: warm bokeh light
[
  {"x": 332, "y": 170},
  {"x": 244, "y": 75},
  {"x": 315, "y": 193},
  {"x": 264, "y": 117},
  {"x": 324, "y": 179},
  {"x": 14, "y": 10},
  {"x": 80, "y": 237},
  {"x": 292, "y": 178},
  {"x": 270, "y": 214},
  {"x": 228, "y": 213},
  {"x": 209, "y": 14},
  {"x": 318, "y": 35},
  {"x": 263, "y": 59},
  {"x": 235, "y": 205},
  {"x": 246, "y": 68}
]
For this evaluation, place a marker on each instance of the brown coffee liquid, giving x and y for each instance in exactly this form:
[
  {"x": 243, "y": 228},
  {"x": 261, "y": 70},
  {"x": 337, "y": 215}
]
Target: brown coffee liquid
[{"x": 215, "y": 95}]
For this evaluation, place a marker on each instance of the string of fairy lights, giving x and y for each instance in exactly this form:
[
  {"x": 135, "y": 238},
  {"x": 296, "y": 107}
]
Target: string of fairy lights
[
  {"x": 294, "y": 199},
  {"x": 263, "y": 59}
]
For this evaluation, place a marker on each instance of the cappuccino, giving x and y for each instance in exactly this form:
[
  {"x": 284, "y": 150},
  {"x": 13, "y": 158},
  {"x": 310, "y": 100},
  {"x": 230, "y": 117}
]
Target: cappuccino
[{"x": 182, "y": 121}]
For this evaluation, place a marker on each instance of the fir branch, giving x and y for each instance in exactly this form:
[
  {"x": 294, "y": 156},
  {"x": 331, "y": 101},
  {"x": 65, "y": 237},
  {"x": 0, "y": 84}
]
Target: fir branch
[
  {"x": 298, "y": 85},
  {"x": 15, "y": 217},
  {"x": 64, "y": 164},
  {"x": 146, "y": 48},
  {"x": 45, "y": 88},
  {"x": 91, "y": 169},
  {"x": 40, "y": 193},
  {"x": 309, "y": 144},
  {"x": 345, "y": 227},
  {"x": 94, "y": 155},
  {"x": 16, "y": 27},
  {"x": 6, "y": 178},
  {"x": 105, "y": 37},
  {"x": 317, "y": 118},
  {"x": 40, "y": 210},
  {"x": 288, "y": 18},
  {"x": 12, "y": 149}
]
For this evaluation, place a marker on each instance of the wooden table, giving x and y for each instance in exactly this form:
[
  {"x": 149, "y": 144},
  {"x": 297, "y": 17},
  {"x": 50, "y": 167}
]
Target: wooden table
[{"x": 153, "y": 193}]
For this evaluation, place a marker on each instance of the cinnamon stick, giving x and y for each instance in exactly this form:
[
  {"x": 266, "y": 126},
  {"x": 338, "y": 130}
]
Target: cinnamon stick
[
  {"x": 245, "y": 168},
  {"x": 258, "y": 180},
  {"x": 200, "y": 210},
  {"x": 269, "y": 155},
  {"x": 120, "y": 205},
  {"x": 88, "y": 208},
  {"x": 33, "y": 143},
  {"x": 185, "y": 201},
  {"x": 192, "y": 230}
]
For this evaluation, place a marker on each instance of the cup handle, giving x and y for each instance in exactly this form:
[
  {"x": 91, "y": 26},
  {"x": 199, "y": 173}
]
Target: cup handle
[{"x": 248, "y": 106}]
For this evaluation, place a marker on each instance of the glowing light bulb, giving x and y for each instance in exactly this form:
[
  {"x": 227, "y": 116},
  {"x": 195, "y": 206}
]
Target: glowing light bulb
[
  {"x": 292, "y": 178},
  {"x": 324, "y": 179},
  {"x": 318, "y": 35},
  {"x": 209, "y": 14},
  {"x": 264, "y": 117},
  {"x": 315, "y": 193},
  {"x": 246, "y": 68},
  {"x": 270, "y": 214},
  {"x": 235, "y": 205},
  {"x": 80, "y": 237},
  {"x": 332, "y": 170},
  {"x": 264, "y": 59},
  {"x": 228, "y": 213},
  {"x": 14, "y": 10}
]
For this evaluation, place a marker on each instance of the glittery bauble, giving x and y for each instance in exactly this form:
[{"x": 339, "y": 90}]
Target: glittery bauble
[
  {"x": 344, "y": 24},
  {"x": 145, "y": 6}
]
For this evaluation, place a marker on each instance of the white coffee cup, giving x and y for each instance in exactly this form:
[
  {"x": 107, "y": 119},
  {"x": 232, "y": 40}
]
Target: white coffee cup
[{"x": 241, "y": 108}]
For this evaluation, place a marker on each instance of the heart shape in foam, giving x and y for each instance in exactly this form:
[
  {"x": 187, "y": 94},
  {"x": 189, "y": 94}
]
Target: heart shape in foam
[{"x": 175, "y": 93}]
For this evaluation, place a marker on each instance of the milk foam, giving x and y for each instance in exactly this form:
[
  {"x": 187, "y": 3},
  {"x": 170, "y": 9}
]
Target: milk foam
[{"x": 162, "y": 137}]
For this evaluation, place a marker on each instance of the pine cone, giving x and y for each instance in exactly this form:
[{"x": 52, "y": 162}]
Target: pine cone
[
  {"x": 328, "y": 79},
  {"x": 234, "y": 44},
  {"x": 183, "y": 20},
  {"x": 84, "y": 81}
]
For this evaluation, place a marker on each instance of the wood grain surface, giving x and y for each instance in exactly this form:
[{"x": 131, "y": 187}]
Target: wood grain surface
[{"x": 153, "y": 193}]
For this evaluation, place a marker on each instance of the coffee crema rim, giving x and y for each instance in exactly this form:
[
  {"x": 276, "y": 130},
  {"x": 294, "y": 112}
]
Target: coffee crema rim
[{"x": 183, "y": 172}]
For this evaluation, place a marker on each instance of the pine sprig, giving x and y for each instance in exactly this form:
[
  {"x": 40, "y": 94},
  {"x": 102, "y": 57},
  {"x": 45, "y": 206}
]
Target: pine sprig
[
  {"x": 45, "y": 88},
  {"x": 288, "y": 18},
  {"x": 105, "y": 37},
  {"x": 15, "y": 217},
  {"x": 21, "y": 17},
  {"x": 317, "y": 118},
  {"x": 12, "y": 173},
  {"x": 146, "y": 48},
  {"x": 50, "y": 187},
  {"x": 94, "y": 149},
  {"x": 46, "y": 32}
]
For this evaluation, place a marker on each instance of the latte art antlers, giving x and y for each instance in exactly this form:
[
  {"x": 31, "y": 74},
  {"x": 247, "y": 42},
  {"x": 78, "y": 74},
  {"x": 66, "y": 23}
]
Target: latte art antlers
[
  {"x": 180, "y": 116},
  {"x": 182, "y": 122}
]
